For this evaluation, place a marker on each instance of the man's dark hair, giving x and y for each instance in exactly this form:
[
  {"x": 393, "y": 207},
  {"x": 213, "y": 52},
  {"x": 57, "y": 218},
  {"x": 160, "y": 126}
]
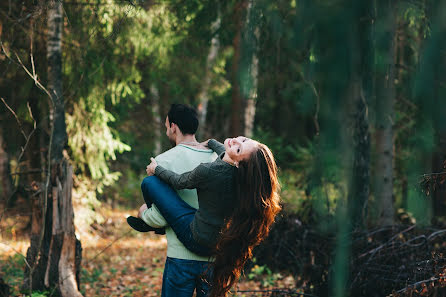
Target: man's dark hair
[{"x": 185, "y": 117}]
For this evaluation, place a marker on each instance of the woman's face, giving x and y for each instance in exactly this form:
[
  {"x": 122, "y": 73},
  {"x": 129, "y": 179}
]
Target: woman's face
[{"x": 240, "y": 148}]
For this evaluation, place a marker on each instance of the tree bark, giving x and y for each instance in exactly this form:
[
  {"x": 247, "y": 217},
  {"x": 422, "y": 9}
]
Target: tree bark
[
  {"x": 54, "y": 56},
  {"x": 359, "y": 186},
  {"x": 236, "y": 106},
  {"x": 439, "y": 116},
  {"x": 203, "y": 97},
  {"x": 385, "y": 97},
  {"x": 55, "y": 252},
  {"x": 250, "y": 92},
  {"x": 361, "y": 81},
  {"x": 5, "y": 173},
  {"x": 157, "y": 120}
]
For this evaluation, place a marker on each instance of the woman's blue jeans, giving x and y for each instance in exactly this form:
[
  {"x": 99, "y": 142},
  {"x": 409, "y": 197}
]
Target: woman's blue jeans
[{"x": 175, "y": 211}]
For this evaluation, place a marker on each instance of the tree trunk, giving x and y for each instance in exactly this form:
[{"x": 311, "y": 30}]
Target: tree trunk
[
  {"x": 359, "y": 186},
  {"x": 385, "y": 97},
  {"x": 157, "y": 120},
  {"x": 54, "y": 56},
  {"x": 55, "y": 253},
  {"x": 361, "y": 78},
  {"x": 250, "y": 90},
  {"x": 210, "y": 62},
  {"x": 439, "y": 116},
  {"x": 236, "y": 106},
  {"x": 5, "y": 173}
]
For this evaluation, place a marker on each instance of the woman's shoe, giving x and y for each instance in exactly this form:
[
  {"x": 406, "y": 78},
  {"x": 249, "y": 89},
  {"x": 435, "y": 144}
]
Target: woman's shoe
[{"x": 139, "y": 225}]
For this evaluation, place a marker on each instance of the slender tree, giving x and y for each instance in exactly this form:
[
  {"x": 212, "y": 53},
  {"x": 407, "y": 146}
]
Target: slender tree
[
  {"x": 54, "y": 255},
  {"x": 360, "y": 93},
  {"x": 439, "y": 115},
  {"x": 157, "y": 120},
  {"x": 5, "y": 172},
  {"x": 385, "y": 113},
  {"x": 250, "y": 66},
  {"x": 203, "y": 97},
  {"x": 236, "y": 105}
]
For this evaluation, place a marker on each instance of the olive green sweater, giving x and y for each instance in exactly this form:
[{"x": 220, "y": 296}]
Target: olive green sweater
[{"x": 216, "y": 195}]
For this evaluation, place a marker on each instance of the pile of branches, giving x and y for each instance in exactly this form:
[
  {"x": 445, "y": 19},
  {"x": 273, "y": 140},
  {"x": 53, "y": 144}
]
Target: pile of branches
[{"x": 390, "y": 261}]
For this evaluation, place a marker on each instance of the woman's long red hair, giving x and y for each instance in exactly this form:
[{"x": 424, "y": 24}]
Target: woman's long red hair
[{"x": 257, "y": 204}]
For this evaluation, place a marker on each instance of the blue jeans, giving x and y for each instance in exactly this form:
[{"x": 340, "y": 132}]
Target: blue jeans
[
  {"x": 175, "y": 211},
  {"x": 182, "y": 277}
]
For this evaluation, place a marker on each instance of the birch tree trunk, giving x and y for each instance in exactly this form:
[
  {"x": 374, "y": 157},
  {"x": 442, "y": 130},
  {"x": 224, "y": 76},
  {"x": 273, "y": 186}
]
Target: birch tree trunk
[
  {"x": 203, "y": 97},
  {"x": 157, "y": 120},
  {"x": 55, "y": 253},
  {"x": 236, "y": 106},
  {"x": 385, "y": 97},
  {"x": 253, "y": 69}
]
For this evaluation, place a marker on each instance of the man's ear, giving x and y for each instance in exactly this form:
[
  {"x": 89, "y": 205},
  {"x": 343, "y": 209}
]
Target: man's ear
[{"x": 173, "y": 127}]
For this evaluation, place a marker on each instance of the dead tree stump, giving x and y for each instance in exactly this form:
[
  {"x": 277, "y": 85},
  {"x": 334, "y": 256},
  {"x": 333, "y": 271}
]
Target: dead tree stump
[{"x": 54, "y": 256}]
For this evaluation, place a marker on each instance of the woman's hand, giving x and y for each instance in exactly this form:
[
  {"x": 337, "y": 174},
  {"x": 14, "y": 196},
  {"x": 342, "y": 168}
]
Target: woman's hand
[
  {"x": 205, "y": 143},
  {"x": 150, "y": 169}
]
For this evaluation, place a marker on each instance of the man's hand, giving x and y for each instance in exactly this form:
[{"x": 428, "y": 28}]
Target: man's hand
[
  {"x": 141, "y": 210},
  {"x": 150, "y": 169}
]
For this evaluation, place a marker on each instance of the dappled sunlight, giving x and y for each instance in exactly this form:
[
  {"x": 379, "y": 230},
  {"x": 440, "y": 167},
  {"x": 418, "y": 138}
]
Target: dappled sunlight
[
  {"x": 12, "y": 238},
  {"x": 9, "y": 248},
  {"x": 117, "y": 261}
]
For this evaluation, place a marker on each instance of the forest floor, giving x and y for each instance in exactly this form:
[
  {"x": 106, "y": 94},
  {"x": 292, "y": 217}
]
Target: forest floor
[{"x": 117, "y": 261}]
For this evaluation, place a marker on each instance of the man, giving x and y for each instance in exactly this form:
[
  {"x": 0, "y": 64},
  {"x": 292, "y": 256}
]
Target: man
[{"x": 183, "y": 269}]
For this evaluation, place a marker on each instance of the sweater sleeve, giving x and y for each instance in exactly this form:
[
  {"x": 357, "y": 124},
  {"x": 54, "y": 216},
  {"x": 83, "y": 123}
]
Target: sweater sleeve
[
  {"x": 188, "y": 180},
  {"x": 216, "y": 146}
]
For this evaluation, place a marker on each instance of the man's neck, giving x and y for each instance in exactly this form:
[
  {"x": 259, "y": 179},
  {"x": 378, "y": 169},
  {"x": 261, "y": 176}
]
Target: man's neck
[{"x": 186, "y": 139}]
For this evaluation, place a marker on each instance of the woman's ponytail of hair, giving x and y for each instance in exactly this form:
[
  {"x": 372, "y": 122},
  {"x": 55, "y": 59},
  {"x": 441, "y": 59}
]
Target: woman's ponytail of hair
[{"x": 257, "y": 204}]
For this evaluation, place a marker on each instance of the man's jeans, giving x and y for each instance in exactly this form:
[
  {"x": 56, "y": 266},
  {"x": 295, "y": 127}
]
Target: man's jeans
[
  {"x": 182, "y": 277},
  {"x": 175, "y": 211}
]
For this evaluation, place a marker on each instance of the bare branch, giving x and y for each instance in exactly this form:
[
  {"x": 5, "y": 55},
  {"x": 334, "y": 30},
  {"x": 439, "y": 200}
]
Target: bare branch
[
  {"x": 17, "y": 252},
  {"x": 418, "y": 283},
  {"x": 27, "y": 138},
  {"x": 15, "y": 116},
  {"x": 33, "y": 76}
]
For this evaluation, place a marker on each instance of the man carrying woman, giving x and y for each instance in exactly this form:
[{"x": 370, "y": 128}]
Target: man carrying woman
[
  {"x": 238, "y": 198},
  {"x": 183, "y": 269}
]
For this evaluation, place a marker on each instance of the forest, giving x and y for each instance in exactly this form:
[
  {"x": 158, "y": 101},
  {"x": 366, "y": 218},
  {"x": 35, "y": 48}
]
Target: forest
[{"x": 350, "y": 96}]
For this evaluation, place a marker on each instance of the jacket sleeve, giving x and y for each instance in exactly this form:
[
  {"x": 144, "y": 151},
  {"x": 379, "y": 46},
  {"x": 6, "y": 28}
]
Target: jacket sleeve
[
  {"x": 190, "y": 180},
  {"x": 216, "y": 146}
]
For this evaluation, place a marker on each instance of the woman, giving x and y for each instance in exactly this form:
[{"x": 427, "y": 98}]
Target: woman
[{"x": 238, "y": 200}]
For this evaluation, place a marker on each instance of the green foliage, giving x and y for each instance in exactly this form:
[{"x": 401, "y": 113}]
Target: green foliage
[
  {"x": 91, "y": 277},
  {"x": 93, "y": 143},
  {"x": 263, "y": 274},
  {"x": 40, "y": 294},
  {"x": 12, "y": 272}
]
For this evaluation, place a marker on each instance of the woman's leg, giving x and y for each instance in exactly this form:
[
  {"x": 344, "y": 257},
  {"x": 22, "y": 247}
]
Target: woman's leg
[{"x": 177, "y": 213}]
